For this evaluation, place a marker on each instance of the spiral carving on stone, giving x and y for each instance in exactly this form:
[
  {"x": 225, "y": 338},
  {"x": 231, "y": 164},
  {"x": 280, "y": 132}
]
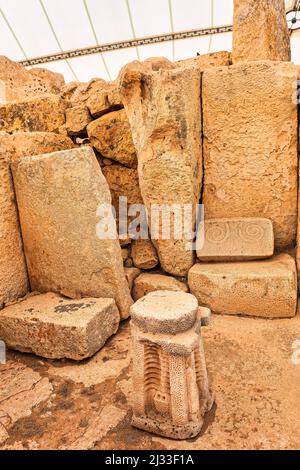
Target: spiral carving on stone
[
  {"x": 217, "y": 233},
  {"x": 251, "y": 232}
]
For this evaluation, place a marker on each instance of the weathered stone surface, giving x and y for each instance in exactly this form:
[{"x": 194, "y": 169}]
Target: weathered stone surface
[
  {"x": 58, "y": 196},
  {"x": 151, "y": 282},
  {"x": 99, "y": 96},
  {"x": 104, "y": 99},
  {"x": 144, "y": 254},
  {"x": 45, "y": 114},
  {"x": 13, "y": 273},
  {"x": 54, "y": 327},
  {"x": 19, "y": 83},
  {"x": 257, "y": 288},
  {"x": 27, "y": 144},
  {"x": 123, "y": 182},
  {"x": 206, "y": 61},
  {"x": 255, "y": 147},
  {"x": 260, "y": 31},
  {"x": 131, "y": 274},
  {"x": 164, "y": 112},
  {"x": 235, "y": 239},
  {"x": 111, "y": 136},
  {"x": 77, "y": 119}
]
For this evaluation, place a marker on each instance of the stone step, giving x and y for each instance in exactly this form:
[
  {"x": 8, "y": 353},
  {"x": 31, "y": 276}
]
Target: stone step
[{"x": 54, "y": 327}]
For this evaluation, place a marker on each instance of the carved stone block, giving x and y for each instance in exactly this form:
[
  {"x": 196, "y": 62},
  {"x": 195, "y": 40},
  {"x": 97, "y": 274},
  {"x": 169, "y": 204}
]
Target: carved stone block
[
  {"x": 235, "y": 239},
  {"x": 169, "y": 370}
]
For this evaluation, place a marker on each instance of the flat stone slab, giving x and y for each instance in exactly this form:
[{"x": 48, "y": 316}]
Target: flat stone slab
[
  {"x": 55, "y": 327},
  {"x": 236, "y": 239},
  {"x": 257, "y": 288},
  {"x": 165, "y": 312}
]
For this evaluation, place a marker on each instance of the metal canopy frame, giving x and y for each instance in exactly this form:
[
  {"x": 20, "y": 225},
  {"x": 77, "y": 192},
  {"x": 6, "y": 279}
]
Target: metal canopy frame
[{"x": 294, "y": 6}]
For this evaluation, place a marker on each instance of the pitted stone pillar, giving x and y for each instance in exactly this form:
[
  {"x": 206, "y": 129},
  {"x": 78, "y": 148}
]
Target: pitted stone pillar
[{"x": 170, "y": 383}]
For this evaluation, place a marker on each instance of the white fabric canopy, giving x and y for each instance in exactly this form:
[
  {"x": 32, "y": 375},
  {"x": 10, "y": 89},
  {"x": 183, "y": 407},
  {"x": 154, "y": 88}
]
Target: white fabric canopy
[{"x": 31, "y": 28}]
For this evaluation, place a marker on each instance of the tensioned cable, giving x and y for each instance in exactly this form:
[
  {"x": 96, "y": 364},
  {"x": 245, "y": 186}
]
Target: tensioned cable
[
  {"x": 95, "y": 36},
  {"x": 56, "y": 37},
  {"x": 13, "y": 33},
  {"x": 212, "y": 23},
  {"x": 132, "y": 26},
  {"x": 172, "y": 28}
]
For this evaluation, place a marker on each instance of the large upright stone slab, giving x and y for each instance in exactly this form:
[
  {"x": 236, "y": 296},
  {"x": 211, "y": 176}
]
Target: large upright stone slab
[
  {"x": 54, "y": 327},
  {"x": 13, "y": 274},
  {"x": 235, "y": 239},
  {"x": 13, "y": 271},
  {"x": 58, "y": 197},
  {"x": 164, "y": 112},
  {"x": 260, "y": 31},
  {"x": 250, "y": 145},
  {"x": 265, "y": 289}
]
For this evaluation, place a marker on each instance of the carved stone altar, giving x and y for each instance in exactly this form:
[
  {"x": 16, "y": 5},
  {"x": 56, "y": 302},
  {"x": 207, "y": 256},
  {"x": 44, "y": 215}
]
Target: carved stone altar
[{"x": 170, "y": 383}]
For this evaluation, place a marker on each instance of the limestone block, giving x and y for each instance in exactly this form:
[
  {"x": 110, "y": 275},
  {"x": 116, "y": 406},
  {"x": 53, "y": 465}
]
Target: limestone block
[
  {"x": 123, "y": 182},
  {"x": 164, "y": 112},
  {"x": 27, "y": 144},
  {"x": 111, "y": 136},
  {"x": 58, "y": 197},
  {"x": 99, "y": 96},
  {"x": 169, "y": 370},
  {"x": 40, "y": 114},
  {"x": 265, "y": 289},
  {"x": 19, "y": 83},
  {"x": 250, "y": 151},
  {"x": 104, "y": 99},
  {"x": 77, "y": 119},
  {"x": 131, "y": 274},
  {"x": 260, "y": 31},
  {"x": 13, "y": 273},
  {"x": 236, "y": 239},
  {"x": 151, "y": 282},
  {"x": 54, "y": 327},
  {"x": 206, "y": 61},
  {"x": 144, "y": 254}
]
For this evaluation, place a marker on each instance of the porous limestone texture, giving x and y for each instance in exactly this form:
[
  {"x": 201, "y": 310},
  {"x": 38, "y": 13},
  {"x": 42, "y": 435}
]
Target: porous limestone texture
[
  {"x": 77, "y": 120},
  {"x": 260, "y": 31},
  {"x": 206, "y": 61},
  {"x": 123, "y": 182},
  {"x": 169, "y": 369},
  {"x": 131, "y": 274},
  {"x": 250, "y": 145},
  {"x": 17, "y": 83},
  {"x": 150, "y": 282},
  {"x": 40, "y": 114},
  {"x": 144, "y": 254},
  {"x": 265, "y": 289},
  {"x": 54, "y": 327},
  {"x": 235, "y": 239},
  {"x": 59, "y": 196},
  {"x": 13, "y": 272},
  {"x": 164, "y": 111},
  {"x": 111, "y": 136}
]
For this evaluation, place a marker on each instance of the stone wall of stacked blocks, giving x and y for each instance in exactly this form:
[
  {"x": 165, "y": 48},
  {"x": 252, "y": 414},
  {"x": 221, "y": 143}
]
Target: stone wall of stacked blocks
[{"x": 217, "y": 129}]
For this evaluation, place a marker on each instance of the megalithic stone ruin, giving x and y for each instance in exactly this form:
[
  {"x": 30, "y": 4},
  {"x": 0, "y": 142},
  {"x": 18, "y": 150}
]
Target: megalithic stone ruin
[
  {"x": 58, "y": 197},
  {"x": 169, "y": 371},
  {"x": 164, "y": 110},
  {"x": 260, "y": 31}
]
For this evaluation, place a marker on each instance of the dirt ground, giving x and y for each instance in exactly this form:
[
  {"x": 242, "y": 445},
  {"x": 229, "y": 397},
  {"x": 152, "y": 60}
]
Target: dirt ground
[{"x": 254, "y": 367}]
